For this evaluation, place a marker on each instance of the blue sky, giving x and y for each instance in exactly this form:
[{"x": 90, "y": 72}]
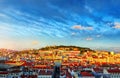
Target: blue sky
[{"x": 28, "y": 24}]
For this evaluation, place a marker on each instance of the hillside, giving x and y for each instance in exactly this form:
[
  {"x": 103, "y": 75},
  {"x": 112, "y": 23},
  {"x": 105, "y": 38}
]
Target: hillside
[{"x": 68, "y": 48}]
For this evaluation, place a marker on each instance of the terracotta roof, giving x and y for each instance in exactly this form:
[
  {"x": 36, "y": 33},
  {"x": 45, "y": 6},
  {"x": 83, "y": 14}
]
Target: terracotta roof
[
  {"x": 42, "y": 67},
  {"x": 10, "y": 62},
  {"x": 27, "y": 64},
  {"x": 15, "y": 71},
  {"x": 65, "y": 64},
  {"x": 114, "y": 70},
  {"x": 86, "y": 73},
  {"x": 3, "y": 72},
  {"x": 100, "y": 70}
]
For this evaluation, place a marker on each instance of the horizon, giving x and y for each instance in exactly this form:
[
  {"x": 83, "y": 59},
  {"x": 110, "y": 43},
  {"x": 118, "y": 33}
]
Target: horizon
[
  {"x": 30, "y": 24},
  {"x": 115, "y": 49}
]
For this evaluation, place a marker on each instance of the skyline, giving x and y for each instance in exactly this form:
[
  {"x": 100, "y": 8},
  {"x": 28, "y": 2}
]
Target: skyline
[{"x": 33, "y": 24}]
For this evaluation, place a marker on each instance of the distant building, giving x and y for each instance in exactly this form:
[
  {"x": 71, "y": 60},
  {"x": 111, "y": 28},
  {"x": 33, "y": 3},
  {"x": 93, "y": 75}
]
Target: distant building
[
  {"x": 44, "y": 73},
  {"x": 3, "y": 74},
  {"x": 114, "y": 73}
]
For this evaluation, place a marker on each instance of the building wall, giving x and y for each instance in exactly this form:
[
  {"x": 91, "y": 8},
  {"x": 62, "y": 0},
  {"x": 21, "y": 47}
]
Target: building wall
[
  {"x": 115, "y": 75},
  {"x": 44, "y": 76}
]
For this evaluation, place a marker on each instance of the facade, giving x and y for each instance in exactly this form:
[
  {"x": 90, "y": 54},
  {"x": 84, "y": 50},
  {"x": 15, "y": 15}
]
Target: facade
[
  {"x": 3, "y": 74},
  {"x": 114, "y": 73}
]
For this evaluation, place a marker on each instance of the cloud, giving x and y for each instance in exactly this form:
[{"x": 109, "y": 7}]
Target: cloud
[
  {"x": 2, "y": 15},
  {"x": 35, "y": 42},
  {"x": 73, "y": 33},
  {"x": 79, "y": 27},
  {"x": 117, "y": 25},
  {"x": 89, "y": 39},
  {"x": 89, "y": 9},
  {"x": 98, "y": 36}
]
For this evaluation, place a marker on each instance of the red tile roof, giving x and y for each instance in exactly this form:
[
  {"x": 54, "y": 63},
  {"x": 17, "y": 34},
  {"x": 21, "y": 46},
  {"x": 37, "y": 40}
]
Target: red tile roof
[
  {"x": 86, "y": 73},
  {"x": 3, "y": 72},
  {"x": 15, "y": 71},
  {"x": 100, "y": 70},
  {"x": 114, "y": 70}
]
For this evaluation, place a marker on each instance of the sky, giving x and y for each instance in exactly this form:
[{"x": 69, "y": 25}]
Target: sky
[{"x": 26, "y": 24}]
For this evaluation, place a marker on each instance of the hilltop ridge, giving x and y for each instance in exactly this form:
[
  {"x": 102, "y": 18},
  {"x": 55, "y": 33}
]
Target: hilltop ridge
[{"x": 68, "y": 48}]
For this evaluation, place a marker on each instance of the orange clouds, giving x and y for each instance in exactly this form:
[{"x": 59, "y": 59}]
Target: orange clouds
[
  {"x": 79, "y": 27},
  {"x": 117, "y": 25},
  {"x": 35, "y": 42}
]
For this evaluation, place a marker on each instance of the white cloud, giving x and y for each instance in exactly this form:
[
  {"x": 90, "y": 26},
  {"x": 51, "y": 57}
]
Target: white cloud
[
  {"x": 89, "y": 39},
  {"x": 5, "y": 27},
  {"x": 73, "y": 33},
  {"x": 79, "y": 27},
  {"x": 98, "y": 36},
  {"x": 116, "y": 25},
  {"x": 2, "y": 15},
  {"x": 88, "y": 8}
]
